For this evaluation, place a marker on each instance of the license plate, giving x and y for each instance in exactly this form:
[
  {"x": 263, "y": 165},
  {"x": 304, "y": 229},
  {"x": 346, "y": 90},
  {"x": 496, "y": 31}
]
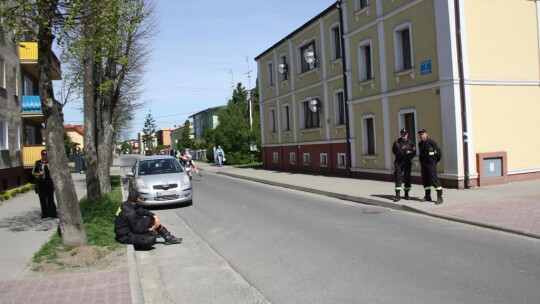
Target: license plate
[{"x": 168, "y": 192}]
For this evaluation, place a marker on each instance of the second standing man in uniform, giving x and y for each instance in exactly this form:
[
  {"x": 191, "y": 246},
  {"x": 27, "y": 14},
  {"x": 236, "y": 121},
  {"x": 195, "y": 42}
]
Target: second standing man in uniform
[{"x": 430, "y": 155}]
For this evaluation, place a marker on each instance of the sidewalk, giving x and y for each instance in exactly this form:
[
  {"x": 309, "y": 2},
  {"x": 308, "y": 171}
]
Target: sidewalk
[
  {"x": 513, "y": 207},
  {"x": 22, "y": 233}
]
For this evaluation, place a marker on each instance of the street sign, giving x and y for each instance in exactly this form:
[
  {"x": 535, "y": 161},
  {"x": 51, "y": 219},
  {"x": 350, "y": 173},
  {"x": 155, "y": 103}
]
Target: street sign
[{"x": 425, "y": 67}]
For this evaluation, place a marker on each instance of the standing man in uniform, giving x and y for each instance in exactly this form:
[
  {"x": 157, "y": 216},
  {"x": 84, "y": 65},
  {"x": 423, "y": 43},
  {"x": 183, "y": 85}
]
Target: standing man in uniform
[
  {"x": 430, "y": 155},
  {"x": 404, "y": 151},
  {"x": 44, "y": 186}
]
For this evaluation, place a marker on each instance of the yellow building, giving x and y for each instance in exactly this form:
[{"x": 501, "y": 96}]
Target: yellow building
[{"x": 438, "y": 65}]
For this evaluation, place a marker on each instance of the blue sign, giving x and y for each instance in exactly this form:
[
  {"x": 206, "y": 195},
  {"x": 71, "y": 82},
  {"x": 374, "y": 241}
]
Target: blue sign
[{"x": 425, "y": 67}]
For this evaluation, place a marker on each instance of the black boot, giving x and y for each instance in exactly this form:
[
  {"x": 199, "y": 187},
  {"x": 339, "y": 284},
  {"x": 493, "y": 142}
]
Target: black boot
[
  {"x": 397, "y": 197},
  {"x": 168, "y": 237},
  {"x": 407, "y": 195},
  {"x": 439, "y": 197},
  {"x": 427, "y": 196}
]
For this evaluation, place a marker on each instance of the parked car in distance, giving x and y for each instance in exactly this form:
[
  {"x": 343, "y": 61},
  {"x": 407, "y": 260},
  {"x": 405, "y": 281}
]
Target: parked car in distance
[{"x": 160, "y": 180}]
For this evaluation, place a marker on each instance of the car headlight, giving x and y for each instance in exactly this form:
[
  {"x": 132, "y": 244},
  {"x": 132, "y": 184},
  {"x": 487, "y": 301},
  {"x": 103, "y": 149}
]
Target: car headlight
[
  {"x": 140, "y": 184},
  {"x": 185, "y": 180}
]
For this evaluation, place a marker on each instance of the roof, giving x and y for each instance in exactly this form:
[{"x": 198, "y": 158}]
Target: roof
[
  {"x": 207, "y": 110},
  {"x": 326, "y": 11},
  {"x": 76, "y": 128}
]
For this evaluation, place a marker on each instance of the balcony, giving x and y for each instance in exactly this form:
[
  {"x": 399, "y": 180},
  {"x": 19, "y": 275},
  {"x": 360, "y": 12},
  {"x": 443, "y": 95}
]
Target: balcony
[
  {"x": 28, "y": 56},
  {"x": 31, "y": 153},
  {"x": 31, "y": 108}
]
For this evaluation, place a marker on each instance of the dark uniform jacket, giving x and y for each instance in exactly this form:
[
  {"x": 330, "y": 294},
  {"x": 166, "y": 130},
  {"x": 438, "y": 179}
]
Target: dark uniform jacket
[
  {"x": 405, "y": 155},
  {"x": 430, "y": 154},
  {"x": 130, "y": 219},
  {"x": 45, "y": 180}
]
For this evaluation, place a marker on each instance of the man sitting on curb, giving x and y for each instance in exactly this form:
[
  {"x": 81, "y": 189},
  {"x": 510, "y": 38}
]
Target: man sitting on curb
[{"x": 138, "y": 226}]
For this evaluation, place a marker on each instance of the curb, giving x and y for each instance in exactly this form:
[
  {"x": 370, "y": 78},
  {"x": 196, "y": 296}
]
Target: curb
[
  {"x": 369, "y": 201},
  {"x": 135, "y": 284}
]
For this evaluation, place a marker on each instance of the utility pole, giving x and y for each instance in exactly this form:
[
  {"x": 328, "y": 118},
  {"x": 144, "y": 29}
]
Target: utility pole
[
  {"x": 249, "y": 96},
  {"x": 232, "y": 78}
]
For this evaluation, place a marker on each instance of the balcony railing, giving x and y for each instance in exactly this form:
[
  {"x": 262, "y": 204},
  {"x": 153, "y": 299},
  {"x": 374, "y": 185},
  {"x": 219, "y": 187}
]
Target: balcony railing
[
  {"x": 31, "y": 153},
  {"x": 28, "y": 56},
  {"x": 31, "y": 104}
]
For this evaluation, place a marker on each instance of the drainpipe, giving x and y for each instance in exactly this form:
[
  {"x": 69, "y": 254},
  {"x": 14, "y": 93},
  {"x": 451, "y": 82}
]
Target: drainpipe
[
  {"x": 462, "y": 95},
  {"x": 345, "y": 90}
]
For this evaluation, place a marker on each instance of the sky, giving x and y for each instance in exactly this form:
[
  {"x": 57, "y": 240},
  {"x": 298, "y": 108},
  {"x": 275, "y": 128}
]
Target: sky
[{"x": 203, "y": 49}]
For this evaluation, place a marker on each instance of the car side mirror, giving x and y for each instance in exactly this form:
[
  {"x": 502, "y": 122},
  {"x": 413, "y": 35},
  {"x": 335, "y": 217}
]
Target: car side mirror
[{"x": 130, "y": 174}]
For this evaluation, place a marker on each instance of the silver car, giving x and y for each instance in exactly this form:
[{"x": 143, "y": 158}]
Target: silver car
[{"x": 160, "y": 180}]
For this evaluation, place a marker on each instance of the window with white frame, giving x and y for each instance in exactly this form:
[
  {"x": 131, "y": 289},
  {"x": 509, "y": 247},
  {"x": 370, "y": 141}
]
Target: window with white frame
[
  {"x": 403, "y": 47},
  {"x": 292, "y": 158},
  {"x": 365, "y": 61},
  {"x": 270, "y": 68},
  {"x": 341, "y": 160},
  {"x": 286, "y": 118},
  {"x": 361, "y": 4},
  {"x": 18, "y": 137},
  {"x": 324, "y": 159},
  {"x": 305, "y": 66},
  {"x": 275, "y": 157},
  {"x": 2, "y": 74},
  {"x": 407, "y": 121},
  {"x": 272, "y": 121},
  {"x": 335, "y": 36},
  {"x": 368, "y": 135},
  {"x": 305, "y": 159},
  {"x": 339, "y": 100},
  {"x": 3, "y": 135},
  {"x": 285, "y": 75},
  {"x": 310, "y": 119}
]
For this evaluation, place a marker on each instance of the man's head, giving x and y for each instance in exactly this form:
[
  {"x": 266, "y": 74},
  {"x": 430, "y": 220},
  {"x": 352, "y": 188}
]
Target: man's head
[
  {"x": 404, "y": 133},
  {"x": 43, "y": 154},
  {"x": 423, "y": 134},
  {"x": 133, "y": 196}
]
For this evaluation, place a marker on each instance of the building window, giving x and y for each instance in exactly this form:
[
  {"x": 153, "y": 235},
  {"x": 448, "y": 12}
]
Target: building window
[
  {"x": 272, "y": 121},
  {"x": 361, "y": 4},
  {"x": 286, "y": 118},
  {"x": 310, "y": 119},
  {"x": 335, "y": 35},
  {"x": 340, "y": 108},
  {"x": 2, "y": 74},
  {"x": 16, "y": 81},
  {"x": 285, "y": 74},
  {"x": 407, "y": 121},
  {"x": 18, "y": 137},
  {"x": 275, "y": 157},
  {"x": 341, "y": 160},
  {"x": 324, "y": 159},
  {"x": 403, "y": 48},
  {"x": 270, "y": 74},
  {"x": 305, "y": 66},
  {"x": 3, "y": 135},
  {"x": 365, "y": 61},
  {"x": 292, "y": 158},
  {"x": 305, "y": 159},
  {"x": 368, "y": 135}
]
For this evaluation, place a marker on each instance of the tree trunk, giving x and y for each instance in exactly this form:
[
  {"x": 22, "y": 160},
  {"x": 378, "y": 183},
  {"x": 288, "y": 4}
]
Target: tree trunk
[
  {"x": 105, "y": 158},
  {"x": 89, "y": 99},
  {"x": 69, "y": 212}
]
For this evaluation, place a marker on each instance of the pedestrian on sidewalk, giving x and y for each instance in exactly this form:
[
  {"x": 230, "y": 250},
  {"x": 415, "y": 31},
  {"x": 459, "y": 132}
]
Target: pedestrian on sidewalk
[
  {"x": 404, "y": 151},
  {"x": 220, "y": 155},
  {"x": 138, "y": 226},
  {"x": 430, "y": 155},
  {"x": 44, "y": 186}
]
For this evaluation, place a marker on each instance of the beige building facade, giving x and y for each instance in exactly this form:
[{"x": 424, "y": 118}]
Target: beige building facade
[{"x": 335, "y": 92}]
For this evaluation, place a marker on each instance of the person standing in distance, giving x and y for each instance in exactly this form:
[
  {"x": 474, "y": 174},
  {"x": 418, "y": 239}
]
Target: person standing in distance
[
  {"x": 430, "y": 155},
  {"x": 220, "y": 155},
  {"x": 404, "y": 151},
  {"x": 44, "y": 186}
]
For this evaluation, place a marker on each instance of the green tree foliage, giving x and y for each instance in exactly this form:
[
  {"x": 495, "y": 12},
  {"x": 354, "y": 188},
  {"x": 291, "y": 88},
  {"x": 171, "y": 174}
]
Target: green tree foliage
[
  {"x": 185, "y": 141},
  {"x": 149, "y": 131},
  {"x": 68, "y": 143},
  {"x": 234, "y": 133}
]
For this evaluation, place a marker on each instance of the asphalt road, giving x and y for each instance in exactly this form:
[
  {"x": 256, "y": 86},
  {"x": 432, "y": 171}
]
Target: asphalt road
[{"x": 296, "y": 247}]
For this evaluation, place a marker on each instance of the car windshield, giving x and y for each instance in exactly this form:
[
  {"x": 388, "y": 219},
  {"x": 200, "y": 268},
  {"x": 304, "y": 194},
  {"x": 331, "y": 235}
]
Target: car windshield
[{"x": 159, "y": 166}]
